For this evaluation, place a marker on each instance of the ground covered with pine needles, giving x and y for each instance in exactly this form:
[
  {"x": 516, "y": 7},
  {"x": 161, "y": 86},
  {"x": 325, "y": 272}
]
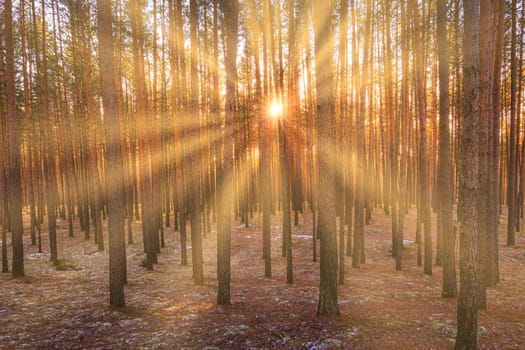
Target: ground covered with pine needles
[{"x": 381, "y": 308}]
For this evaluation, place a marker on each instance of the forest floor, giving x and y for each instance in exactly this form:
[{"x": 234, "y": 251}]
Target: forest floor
[{"x": 381, "y": 308}]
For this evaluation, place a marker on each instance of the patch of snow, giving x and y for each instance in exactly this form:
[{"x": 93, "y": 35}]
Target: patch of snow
[{"x": 305, "y": 237}]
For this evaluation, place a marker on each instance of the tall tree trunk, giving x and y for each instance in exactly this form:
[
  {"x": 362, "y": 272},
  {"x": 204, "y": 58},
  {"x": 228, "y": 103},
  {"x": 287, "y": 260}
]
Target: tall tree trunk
[
  {"x": 180, "y": 160},
  {"x": 94, "y": 180},
  {"x": 144, "y": 129},
  {"x": 361, "y": 160},
  {"x": 216, "y": 105},
  {"x": 14, "y": 195},
  {"x": 231, "y": 15},
  {"x": 265, "y": 155},
  {"x": 391, "y": 182},
  {"x": 49, "y": 142},
  {"x": 421, "y": 111},
  {"x": 323, "y": 31},
  {"x": 512, "y": 163},
  {"x": 469, "y": 181},
  {"x": 343, "y": 115},
  {"x": 114, "y": 171},
  {"x": 28, "y": 127},
  {"x": 288, "y": 140},
  {"x": 444, "y": 180},
  {"x": 404, "y": 122},
  {"x": 484, "y": 147},
  {"x": 494, "y": 139},
  {"x": 195, "y": 152}
]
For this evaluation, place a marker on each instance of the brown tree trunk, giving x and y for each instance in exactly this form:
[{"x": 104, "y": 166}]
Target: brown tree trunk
[
  {"x": 343, "y": 115},
  {"x": 361, "y": 160},
  {"x": 28, "y": 127},
  {"x": 421, "y": 111},
  {"x": 49, "y": 142},
  {"x": 14, "y": 194},
  {"x": 494, "y": 139},
  {"x": 195, "y": 153},
  {"x": 322, "y": 14},
  {"x": 469, "y": 181},
  {"x": 180, "y": 159},
  {"x": 444, "y": 177},
  {"x": 144, "y": 129},
  {"x": 265, "y": 157},
  {"x": 512, "y": 160},
  {"x": 404, "y": 122},
  {"x": 94, "y": 180},
  {"x": 484, "y": 147},
  {"x": 114, "y": 171},
  {"x": 231, "y": 15}
]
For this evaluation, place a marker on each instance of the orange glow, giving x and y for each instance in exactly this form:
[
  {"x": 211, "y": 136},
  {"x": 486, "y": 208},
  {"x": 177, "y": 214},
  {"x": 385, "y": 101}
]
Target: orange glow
[{"x": 276, "y": 109}]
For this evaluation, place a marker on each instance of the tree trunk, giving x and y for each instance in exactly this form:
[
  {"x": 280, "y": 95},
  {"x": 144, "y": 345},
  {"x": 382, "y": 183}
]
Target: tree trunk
[
  {"x": 144, "y": 129},
  {"x": 494, "y": 139},
  {"x": 195, "y": 153},
  {"x": 512, "y": 163},
  {"x": 231, "y": 15},
  {"x": 469, "y": 181},
  {"x": 322, "y": 13},
  {"x": 49, "y": 142},
  {"x": 484, "y": 148},
  {"x": 343, "y": 115},
  {"x": 444, "y": 180},
  {"x": 361, "y": 160},
  {"x": 421, "y": 111},
  {"x": 114, "y": 171},
  {"x": 13, "y": 183}
]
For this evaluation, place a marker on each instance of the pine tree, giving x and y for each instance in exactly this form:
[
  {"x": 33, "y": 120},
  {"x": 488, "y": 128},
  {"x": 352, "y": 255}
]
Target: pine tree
[
  {"x": 445, "y": 185},
  {"x": 231, "y": 15},
  {"x": 469, "y": 181},
  {"x": 114, "y": 171},
  {"x": 14, "y": 193},
  {"x": 322, "y": 14}
]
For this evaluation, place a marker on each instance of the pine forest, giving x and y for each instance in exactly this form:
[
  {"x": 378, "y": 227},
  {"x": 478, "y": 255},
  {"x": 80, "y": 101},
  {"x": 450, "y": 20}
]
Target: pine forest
[{"x": 262, "y": 174}]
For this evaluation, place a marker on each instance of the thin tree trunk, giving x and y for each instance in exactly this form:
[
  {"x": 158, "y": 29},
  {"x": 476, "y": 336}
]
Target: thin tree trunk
[
  {"x": 50, "y": 169},
  {"x": 14, "y": 195},
  {"x": 195, "y": 156},
  {"x": 494, "y": 139},
  {"x": 444, "y": 180},
  {"x": 144, "y": 132},
  {"x": 424, "y": 189},
  {"x": 231, "y": 15},
  {"x": 512, "y": 163}
]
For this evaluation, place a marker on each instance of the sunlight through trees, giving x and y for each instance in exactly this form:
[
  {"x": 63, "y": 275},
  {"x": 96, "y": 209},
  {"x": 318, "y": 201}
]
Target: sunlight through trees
[{"x": 188, "y": 120}]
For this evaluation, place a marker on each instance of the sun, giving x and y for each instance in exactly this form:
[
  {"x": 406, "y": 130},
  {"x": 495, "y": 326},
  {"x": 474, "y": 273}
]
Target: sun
[{"x": 276, "y": 109}]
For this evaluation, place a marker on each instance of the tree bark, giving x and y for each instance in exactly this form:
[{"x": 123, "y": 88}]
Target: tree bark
[
  {"x": 512, "y": 160},
  {"x": 195, "y": 153},
  {"x": 444, "y": 180},
  {"x": 421, "y": 110},
  {"x": 114, "y": 171},
  {"x": 494, "y": 139},
  {"x": 469, "y": 181},
  {"x": 231, "y": 15},
  {"x": 144, "y": 129},
  {"x": 14, "y": 194},
  {"x": 323, "y": 31},
  {"x": 484, "y": 147},
  {"x": 48, "y": 134}
]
